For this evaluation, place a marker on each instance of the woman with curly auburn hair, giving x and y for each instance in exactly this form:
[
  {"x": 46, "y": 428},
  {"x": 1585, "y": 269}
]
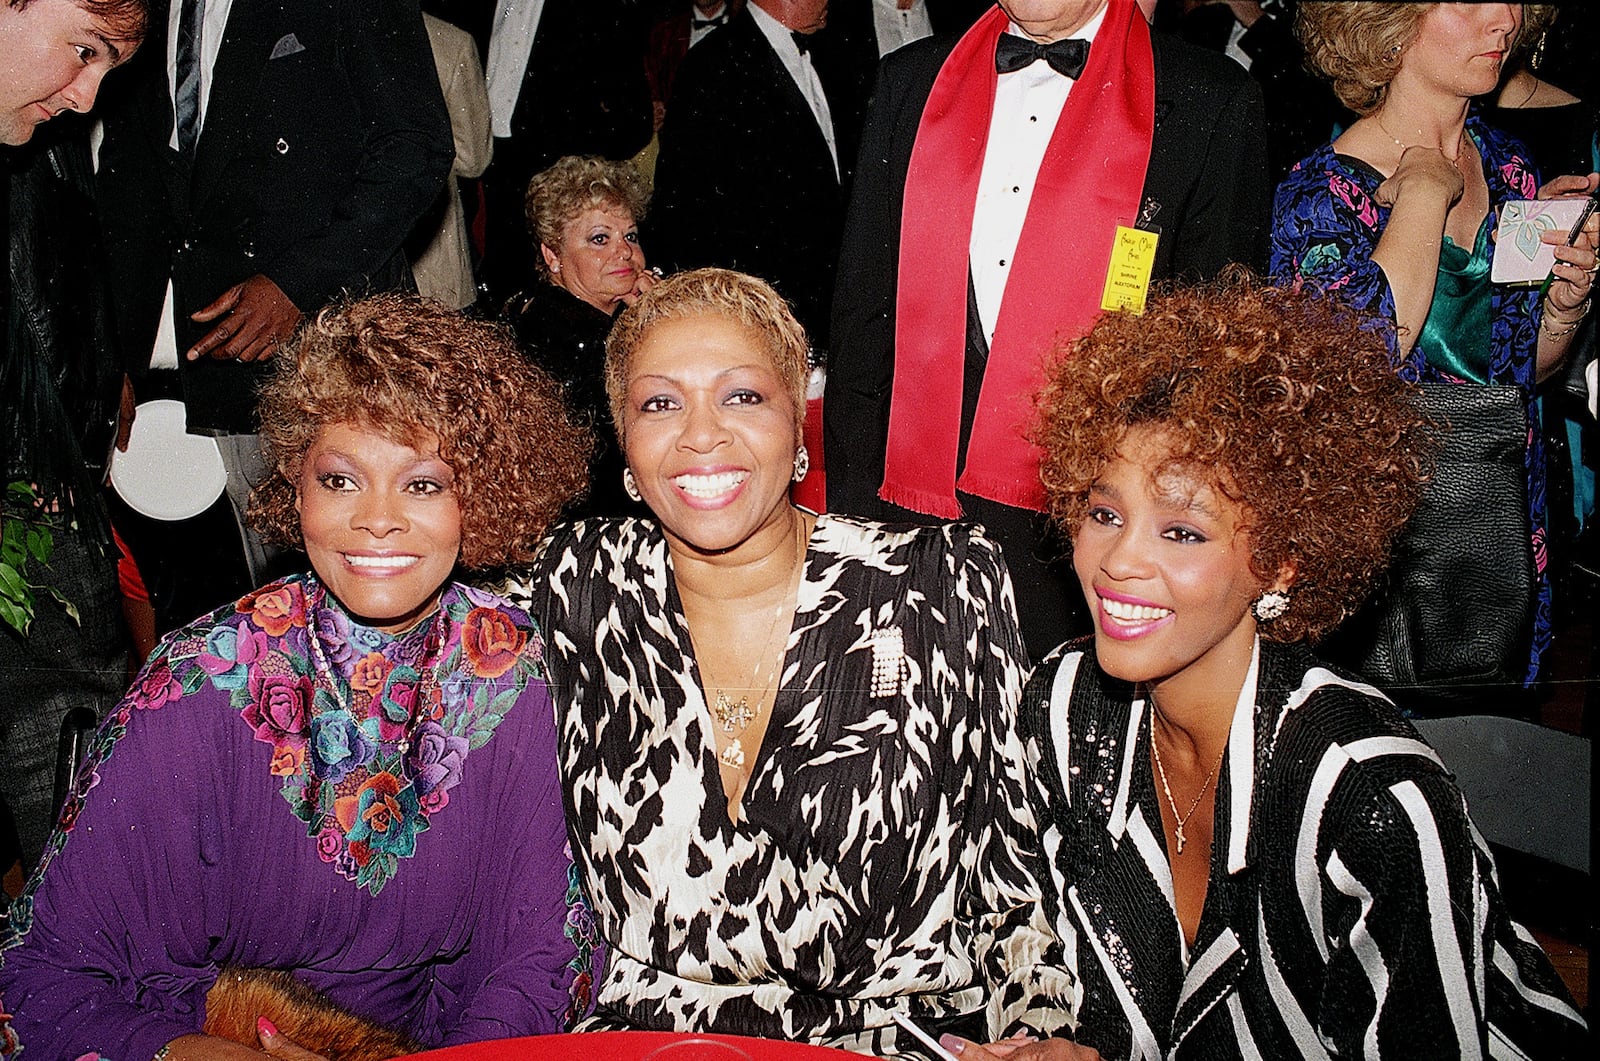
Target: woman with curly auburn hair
[
  {"x": 584, "y": 213},
  {"x": 415, "y": 890},
  {"x": 1395, "y": 215},
  {"x": 1252, "y": 855}
]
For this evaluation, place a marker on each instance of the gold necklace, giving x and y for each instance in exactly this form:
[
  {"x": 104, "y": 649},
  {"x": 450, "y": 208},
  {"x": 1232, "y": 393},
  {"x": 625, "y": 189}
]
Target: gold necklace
[
  {"x": 1181, "y": 819},
  {"x": 741, "y": 715},
  {"x": 1404, "y": 147}
]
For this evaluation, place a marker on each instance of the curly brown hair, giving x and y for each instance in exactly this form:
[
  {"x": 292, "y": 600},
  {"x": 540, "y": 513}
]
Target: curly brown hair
[
  {"x": 1357, "y": 46},
  {"x": 576, "y": 183},
  {"x": 706, "y": 293},
  {"x": 1286, "y": 401},
  {"x": 413, "y": 370}
]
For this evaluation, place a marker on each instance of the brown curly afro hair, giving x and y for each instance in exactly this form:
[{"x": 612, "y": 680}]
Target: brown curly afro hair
[
  {"x": 413, "y": 371},
  {"x": 1285, "y": 401}
]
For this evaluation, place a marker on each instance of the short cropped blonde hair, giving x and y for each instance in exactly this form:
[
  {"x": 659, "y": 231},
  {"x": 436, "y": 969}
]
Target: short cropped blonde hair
[{"x": 711, "y": 293}]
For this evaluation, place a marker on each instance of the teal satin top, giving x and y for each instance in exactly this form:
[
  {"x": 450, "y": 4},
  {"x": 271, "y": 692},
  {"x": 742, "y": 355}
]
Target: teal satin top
[{"x": 1456, "y": 336}]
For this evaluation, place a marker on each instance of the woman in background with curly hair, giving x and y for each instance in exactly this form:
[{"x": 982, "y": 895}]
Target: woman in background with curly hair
[
  {"x": 1251, "y": 854},
  {"x": 349, "y": 775},
  {"x": 1394, "y": 216}
]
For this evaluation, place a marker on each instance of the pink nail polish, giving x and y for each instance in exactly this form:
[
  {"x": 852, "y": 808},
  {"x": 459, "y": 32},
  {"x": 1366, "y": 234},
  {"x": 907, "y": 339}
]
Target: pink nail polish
[
  {"x": 954, "y": 1043},
  {"x": 266, "y": 1029}
]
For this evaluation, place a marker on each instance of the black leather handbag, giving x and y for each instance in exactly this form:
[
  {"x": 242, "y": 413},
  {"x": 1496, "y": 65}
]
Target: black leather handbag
[{"x": 1450, "y": 629}]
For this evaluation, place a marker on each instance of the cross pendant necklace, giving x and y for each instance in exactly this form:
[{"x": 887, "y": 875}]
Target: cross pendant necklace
[{"x": 1179, "y": 820}]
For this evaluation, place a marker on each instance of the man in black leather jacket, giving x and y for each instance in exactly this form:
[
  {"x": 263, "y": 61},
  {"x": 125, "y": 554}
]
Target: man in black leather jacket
[{"x": 60, "y": 382}]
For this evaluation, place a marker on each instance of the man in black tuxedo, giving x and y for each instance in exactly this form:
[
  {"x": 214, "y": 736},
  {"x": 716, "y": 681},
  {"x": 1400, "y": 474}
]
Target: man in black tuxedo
[
  {"x": 1204, "y": 190},
  {"x": 682, "y": 25},
  {"x": 262, "y": 159},
  {"x": 755, "y": 152}
]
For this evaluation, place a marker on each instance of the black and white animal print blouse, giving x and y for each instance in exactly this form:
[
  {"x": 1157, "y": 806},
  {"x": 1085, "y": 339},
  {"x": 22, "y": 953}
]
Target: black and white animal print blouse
[
  {"x": 1352, "y": 909},
  {"x": 877, "y": 864}
]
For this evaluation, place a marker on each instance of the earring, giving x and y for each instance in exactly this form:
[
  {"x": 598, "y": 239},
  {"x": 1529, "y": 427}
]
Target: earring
[
  {"x": 1536, "y": 60},
  {"x": 802, "y": 463},
  {"x": 1392, "y": 53},
  {"x": 1270, "y": 605},
  {"x": 629, "y": 485}
]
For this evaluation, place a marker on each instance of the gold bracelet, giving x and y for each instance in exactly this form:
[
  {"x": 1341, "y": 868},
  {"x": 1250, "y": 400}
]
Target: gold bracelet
[
  {"x": 1559, "y": 333},
  {"x": 1582, "y": 310}
]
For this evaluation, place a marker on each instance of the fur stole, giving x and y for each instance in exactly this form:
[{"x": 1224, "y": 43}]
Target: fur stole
[{"x": 240, "y": 996}]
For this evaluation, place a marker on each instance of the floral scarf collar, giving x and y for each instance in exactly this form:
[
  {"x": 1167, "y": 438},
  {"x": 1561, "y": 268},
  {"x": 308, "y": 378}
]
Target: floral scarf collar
[{"x": 369, "y": 731}]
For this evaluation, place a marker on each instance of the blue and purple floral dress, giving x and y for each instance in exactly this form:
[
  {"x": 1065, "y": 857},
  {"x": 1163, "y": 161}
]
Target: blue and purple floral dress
[
  {"x": 1325, "y": 226},
  {"x": 286, "y": 788}
]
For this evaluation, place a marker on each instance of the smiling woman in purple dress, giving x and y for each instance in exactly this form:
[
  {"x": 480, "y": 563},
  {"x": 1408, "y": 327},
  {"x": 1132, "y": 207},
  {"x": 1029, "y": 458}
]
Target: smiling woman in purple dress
[{"x": 348, "y": 775}]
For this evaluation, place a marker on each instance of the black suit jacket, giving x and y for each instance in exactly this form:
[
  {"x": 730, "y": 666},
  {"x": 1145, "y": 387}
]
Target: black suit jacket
[
  {"x": 851, "y": 36},
  {"x": 744, "y": 179},
  {"x": 585, "y": 90},
  {"x": 325, "y": 138},
  {"x": 1207, "y": 174}
]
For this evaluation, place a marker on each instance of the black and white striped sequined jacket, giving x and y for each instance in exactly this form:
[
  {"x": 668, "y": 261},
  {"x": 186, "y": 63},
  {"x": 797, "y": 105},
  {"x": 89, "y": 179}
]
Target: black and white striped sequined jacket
[{"x": 1352, "y": 908}]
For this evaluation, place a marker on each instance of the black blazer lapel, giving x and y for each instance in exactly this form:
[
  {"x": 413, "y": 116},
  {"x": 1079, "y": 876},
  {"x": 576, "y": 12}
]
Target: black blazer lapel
[
  {"x": 1121, "y": 901},
  {"x": 774, "y": 73},
  {"x": 152, "y": 115},
  {"x": 247, "y": 41}
]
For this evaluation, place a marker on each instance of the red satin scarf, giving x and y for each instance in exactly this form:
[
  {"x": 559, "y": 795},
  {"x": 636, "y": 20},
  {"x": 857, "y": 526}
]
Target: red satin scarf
[{"x": 1089, "y": 182}]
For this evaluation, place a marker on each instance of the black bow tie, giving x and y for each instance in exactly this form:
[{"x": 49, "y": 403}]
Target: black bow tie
[
  {"x": 708, "y": 23},
  {"x": 801, "y": 41},
  {"x": 1065, "y": 57}
]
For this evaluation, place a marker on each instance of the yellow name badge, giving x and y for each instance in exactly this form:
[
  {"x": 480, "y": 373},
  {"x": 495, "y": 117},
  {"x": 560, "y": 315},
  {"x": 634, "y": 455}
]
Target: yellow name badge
[{"x": 1133, "y": 255}]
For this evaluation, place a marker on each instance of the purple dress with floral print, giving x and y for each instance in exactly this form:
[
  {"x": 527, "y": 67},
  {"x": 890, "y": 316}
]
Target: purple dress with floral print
[
  {"x": 285, "y": 788},
  {"x": 1325, "y": 226}
]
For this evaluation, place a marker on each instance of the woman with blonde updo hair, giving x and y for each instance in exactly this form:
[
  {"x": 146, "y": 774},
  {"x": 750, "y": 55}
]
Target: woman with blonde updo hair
[
  {"x": 333, "y": 804},
  {"x": 584, "y": 214},
  {"x": 1395, "y": 217}
]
